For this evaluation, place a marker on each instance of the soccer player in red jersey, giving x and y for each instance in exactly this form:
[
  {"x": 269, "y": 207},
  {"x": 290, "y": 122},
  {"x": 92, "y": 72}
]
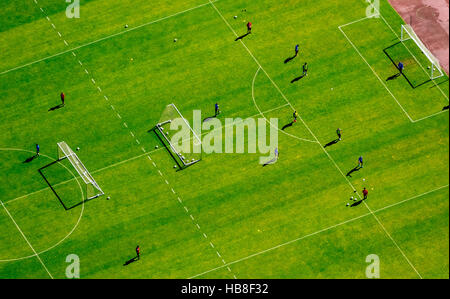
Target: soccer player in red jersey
[
  {"x": 138, "y": 250},
  {"x": 249, "y": 27},
  {"x": 365, "y": 193},
  {"x": 63, "y": 96}
]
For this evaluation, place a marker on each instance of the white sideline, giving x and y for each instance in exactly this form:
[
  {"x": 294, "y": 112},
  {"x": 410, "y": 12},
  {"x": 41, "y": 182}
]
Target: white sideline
[
  {"x": 28, "y": 242},
  {"x": 125, "y": 161},
  {"x": 381, "y": 81},
  {"x": 318, "y": 232},
  {"x": 315, "y": 137},
  {"x": 105, "y": 38}
]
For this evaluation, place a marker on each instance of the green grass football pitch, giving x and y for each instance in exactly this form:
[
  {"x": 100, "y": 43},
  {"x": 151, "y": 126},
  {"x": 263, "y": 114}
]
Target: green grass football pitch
[{"x": 226, "y": 216}]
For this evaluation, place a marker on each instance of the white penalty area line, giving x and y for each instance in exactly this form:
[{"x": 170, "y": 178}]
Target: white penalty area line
[
  {"x": 106, "y": 38},
  {"x": 378, "y": 77},
  {"x": 307, "y": 127},
  {"x": 25, "y": 238},
  {"x": 127, "y": 160},
  {"x": 318, "y": 232},
  {"x": 262, "y": 113},
  {"x": 398, "y": 37}
]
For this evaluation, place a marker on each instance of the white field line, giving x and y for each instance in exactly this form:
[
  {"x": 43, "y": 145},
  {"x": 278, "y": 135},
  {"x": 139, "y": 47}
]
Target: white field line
[
  {"x": 398, "y": 37},
  {"x": 429, "y": 116},
  {"x": 376, "y": 75},
  {"x": 262, "y": 113},
  {"x": 385, "y": 86},
  {"x": 130, "y": 159},
  {"x": 163, "y": 177},
  {"x": 319, "y": 231},
  {"x": 392, "y": 239},
  {"x": 304, "y": 123},
  {"x": 28, "y": 242},
  {"x": 106, "y": 38}
]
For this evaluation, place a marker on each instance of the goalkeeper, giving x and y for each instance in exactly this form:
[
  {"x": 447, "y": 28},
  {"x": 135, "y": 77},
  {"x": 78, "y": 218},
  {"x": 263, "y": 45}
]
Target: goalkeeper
[{"x": 401, "y": 67}]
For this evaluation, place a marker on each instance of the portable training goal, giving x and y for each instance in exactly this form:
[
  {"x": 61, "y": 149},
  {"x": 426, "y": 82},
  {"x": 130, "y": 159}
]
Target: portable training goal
[
  {"x": 92, "y": 188},
  {"x": 178, "y": 136},
  {"x": 407, "y": 33}
]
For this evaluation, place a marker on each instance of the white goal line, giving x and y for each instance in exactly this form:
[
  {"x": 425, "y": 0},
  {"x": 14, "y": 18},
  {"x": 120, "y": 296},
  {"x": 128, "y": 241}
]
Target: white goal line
[{"x": 381, "y": 81}]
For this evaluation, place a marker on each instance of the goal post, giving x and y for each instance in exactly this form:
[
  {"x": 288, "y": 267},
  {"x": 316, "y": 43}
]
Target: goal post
[
  {"x": 93, "y": 190},
  {"x": 435, "y": 70},
  {"x": 187, "y": 148}
]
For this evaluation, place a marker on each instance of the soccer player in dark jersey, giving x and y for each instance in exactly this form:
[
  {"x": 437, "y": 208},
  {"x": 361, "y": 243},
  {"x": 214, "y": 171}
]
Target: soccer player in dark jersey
[
  {"x": 401, "y": 67},
  {"x": 38, "y": 149},
  {"x": 339, "y": 133},
  {"x": 63, "y": 96},
  {"x": 295, "y": 115},
  {"x": 365, "y": 193},
  {"x": 360, "y": 162},
  {"x": 138, "y": 250},
  {"x": 216, "y": 109},
  {"x": 297, "y": 49},
  {"x": 305, "y": 69}
]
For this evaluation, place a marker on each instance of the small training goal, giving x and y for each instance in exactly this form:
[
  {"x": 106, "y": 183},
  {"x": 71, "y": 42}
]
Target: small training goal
[{"x": 178, "y": 137}]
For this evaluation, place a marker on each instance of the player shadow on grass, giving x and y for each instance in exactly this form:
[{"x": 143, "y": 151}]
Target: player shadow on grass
[
  {"x": 28, "y": 160},
  {"x": 287, "y": 126},
  {"x": 297, "y": 79},
  {"x": 349, "y": 174},
  {"x": 331, "y": 143},
  {"x": 273, "y": 161},
  {"x": 241, "y": 37},
  {"x": 56, "y": 107},
  {"x": 209, "y": 118},
  {"x": 357, "y": 203},
  {"x": 445, "y": 108},
  {"x": 393, "y": 77},
  {"x": 131, "y": 261},
  {"x": 289, "y": 59}
]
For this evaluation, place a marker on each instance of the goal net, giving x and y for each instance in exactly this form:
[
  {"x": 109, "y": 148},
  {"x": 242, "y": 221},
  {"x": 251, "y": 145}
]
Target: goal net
[
  {"x": 434, "y": 68},
  {"x": 180, "y": 139},
  {"x": 92, "y": 188}
]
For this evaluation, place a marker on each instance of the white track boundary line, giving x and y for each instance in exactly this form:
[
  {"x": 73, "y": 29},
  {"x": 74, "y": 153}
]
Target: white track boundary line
[
  {"x": 307, "y": 127},
  {"x": 105, "y": 38},
  {"x": 28, "y": 242},
  {"x": 319, "y": 231},
  {"x": 378, "y": 77},
  {"x": 127, "y": 160}
]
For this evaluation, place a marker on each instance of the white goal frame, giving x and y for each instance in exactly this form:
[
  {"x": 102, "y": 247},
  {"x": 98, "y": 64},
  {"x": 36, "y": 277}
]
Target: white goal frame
[
  {"x": 197, "y": 139},
  {"x": 93, "y": 190},
  {"x": 407, "y": 32}
]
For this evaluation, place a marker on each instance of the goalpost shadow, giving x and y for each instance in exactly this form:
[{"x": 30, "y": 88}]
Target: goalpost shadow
[
  {"x": 385, "y": 50},
  {"x": 154, "y": 130},
  {"x": 180, "y": 165},
  {"x": 67, "y": 208}
]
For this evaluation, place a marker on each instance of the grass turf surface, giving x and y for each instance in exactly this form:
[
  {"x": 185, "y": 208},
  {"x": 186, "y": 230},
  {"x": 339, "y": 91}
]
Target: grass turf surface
[{"x": 288, "y": 220}]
